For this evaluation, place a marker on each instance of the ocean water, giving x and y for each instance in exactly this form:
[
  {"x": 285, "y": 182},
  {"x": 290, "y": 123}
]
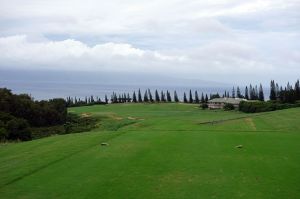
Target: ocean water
[
  {"x": 59, "y": 89},
  {"x": 42, "y": 84}
]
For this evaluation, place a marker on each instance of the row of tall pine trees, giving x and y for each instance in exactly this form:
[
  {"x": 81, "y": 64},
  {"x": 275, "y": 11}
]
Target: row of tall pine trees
[{"x": 287, "y": 94}]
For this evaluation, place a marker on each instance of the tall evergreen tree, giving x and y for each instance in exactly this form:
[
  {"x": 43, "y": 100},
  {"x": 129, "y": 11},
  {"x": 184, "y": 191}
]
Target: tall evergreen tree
[
  {"x": 191, "y": 97},
  {"x": 251, "y": 94},
  {"x": 128, "y": 98},
  {"x": 115, "y": 98},
  {"x": 289, "y": 86},
  {"x": 233, "y": 93},
  {"x": 140, "y": 96},
  {"x": 146, "y": 99},
  {"x": 162, "y": 97},
  {"x": 169, "y": 99},
  {"x": 238, "y": 92},
  {"x": 246, "y": 93},
  {"x": 157, "y": 99},
  {"x": 272, "y": 90},
  {"x": 277, "y": 90},
  {"x": 111, "y": 98},
  {"x": 261, "y": 96},
  {"x": 256, "y": 93},
  {"x": 297, "y": 90},
  {"x": 184, "y": 98},
  {"x": 150, "y": 96},
  {"x": 206, "y": 98},
  {"x": 197, "y": 97},
  {"x": 106, "y": 99},
  {"x": 134, "y": 97},
  {"x": 281, "y": 97},
  {"x": 202, "y": 98},
  {"x": 124, "y": 98},
  {"x": 176, "y": 99}
]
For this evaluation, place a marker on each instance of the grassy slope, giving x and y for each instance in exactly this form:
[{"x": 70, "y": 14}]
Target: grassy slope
[{"x": 160, "y": 151}]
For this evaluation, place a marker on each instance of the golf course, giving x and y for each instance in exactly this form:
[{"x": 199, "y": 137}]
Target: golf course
[{"x": 166, "y": 150}]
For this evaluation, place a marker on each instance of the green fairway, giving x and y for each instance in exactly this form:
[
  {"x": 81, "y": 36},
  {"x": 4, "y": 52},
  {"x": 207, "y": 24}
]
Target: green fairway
[{"x": 160, "y": 151}]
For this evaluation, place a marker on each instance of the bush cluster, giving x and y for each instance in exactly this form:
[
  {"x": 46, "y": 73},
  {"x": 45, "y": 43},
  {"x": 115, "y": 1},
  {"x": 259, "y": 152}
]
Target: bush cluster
[
  {"x": 228, "y": 107},
  {"x": 258, "y": 106},
  {"x": 77, "y": 124},
  {"x": 13, "y": 128},
  {"x": 18, "y": 113}
]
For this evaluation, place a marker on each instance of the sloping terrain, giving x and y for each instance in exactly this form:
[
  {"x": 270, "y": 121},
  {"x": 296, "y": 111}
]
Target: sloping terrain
[{"x": 160, "y": 151}]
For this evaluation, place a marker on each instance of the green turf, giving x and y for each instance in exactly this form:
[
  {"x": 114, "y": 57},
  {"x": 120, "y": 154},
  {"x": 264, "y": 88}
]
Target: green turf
[{"x": 160, "y": 151}]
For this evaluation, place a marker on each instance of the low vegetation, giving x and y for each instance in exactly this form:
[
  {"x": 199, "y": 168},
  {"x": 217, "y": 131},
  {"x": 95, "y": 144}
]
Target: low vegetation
[
  {"x": 168, "y": 150},
  {"x": 22, "y": 118},
  {"x": 228, "y": 107},
  {"x": 80, "y": 123},
  {"x": 20, "y": 113},
  {"x": 258, "y": 106}
]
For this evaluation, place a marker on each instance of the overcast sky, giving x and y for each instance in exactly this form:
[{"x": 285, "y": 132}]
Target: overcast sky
[{"x": 222, "y": 40}]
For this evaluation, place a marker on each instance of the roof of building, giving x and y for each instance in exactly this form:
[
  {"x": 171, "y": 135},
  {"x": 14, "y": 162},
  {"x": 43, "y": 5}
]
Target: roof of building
[{"x": 226, "y": 100}]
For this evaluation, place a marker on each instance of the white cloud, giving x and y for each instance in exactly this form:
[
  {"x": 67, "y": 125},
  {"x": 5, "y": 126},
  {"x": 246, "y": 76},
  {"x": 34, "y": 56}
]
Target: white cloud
[
  {"x": 196, "y": 38},
  {"x": 17, "y": 51},
  {"x": 94, "y": 17},
  {"x": 218, "y": 57}
]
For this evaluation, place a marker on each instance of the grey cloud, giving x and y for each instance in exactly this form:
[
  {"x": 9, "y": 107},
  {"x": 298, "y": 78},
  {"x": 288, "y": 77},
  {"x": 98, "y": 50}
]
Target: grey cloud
[{"x": 195, "y": 39}]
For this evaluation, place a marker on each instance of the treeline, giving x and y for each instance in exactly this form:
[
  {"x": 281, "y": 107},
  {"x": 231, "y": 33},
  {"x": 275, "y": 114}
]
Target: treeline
[
  {"x": 253, "y": 93},
  {"x": 18, "y": 113},
  {"x": 250, "y": 93},
  {"x": 138, "y": 97},
  {"x": 288, "y": 94},
  {"x": 280, "y": 98},
  {"x": 158, "y": 97},
  {"x": 87, "y": 101}
]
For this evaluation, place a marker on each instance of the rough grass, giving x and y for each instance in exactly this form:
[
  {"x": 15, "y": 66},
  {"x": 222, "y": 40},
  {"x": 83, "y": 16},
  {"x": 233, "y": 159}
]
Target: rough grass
[{"x": 160, "y": 151}]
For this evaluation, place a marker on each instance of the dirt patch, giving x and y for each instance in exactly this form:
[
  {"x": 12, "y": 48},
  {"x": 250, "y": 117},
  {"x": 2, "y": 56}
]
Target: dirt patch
[
  {"x": 250, "y": 122},
  {"x": 133, "y": 118},
  {"x": 116, "y": 117},
  {"x": 86, "y": 115}
]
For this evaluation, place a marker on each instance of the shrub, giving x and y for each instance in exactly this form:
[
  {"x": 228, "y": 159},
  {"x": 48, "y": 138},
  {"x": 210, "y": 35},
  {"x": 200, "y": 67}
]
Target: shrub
[
  {"x": 258, "y": 106},
  {"x": 37, "y": 113},
  {"x": 204, "y": 106},
  {"x": 40, "y": 132},
  {"x": 18, "y": 129},
  {"x": 77, "y": 124},
  {"x": 228, "y": 107},
  {"x": 3, "y": 133}
]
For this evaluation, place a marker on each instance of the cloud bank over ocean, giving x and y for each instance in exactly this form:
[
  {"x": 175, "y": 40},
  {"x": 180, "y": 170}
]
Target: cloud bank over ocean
[{"x": 194, "y": 39}]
